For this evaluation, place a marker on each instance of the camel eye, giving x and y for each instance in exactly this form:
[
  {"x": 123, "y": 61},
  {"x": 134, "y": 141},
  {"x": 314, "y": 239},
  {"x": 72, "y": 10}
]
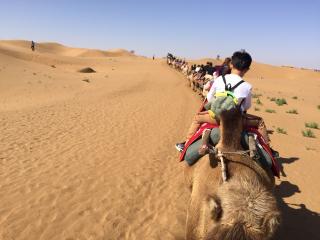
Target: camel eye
[{"x": 216, "y": 210}]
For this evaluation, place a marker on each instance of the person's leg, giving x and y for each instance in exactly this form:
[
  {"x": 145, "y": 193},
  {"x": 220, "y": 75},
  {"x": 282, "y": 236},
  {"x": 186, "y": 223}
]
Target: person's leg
[
  {"x": 264, "y": 131},
  {"x": 205, "y": 141},
  {"x": 255, "y": 121},
  {"x": 197, "y": 121},
  {"x": 200, "y": 118}
]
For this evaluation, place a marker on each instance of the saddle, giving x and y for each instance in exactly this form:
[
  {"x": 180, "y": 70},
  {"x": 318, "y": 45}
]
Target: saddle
[{"x": 263, "y": 155}]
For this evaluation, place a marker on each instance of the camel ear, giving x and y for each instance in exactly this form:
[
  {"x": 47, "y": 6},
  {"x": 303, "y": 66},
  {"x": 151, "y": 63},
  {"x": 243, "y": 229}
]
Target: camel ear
[
  {"x": 271, "y": 222},
  {"x": 215, "y": 207}
]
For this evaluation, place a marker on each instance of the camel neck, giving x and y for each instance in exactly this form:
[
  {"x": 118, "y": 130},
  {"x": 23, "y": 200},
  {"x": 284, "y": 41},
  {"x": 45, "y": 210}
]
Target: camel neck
[{"x": 230, "y": 139}]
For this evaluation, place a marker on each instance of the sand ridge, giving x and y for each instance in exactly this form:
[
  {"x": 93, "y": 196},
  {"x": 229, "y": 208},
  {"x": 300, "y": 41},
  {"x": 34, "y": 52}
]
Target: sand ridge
[
  {"x": 95, "y": 160},
  {"x": 59, "y": 49}
]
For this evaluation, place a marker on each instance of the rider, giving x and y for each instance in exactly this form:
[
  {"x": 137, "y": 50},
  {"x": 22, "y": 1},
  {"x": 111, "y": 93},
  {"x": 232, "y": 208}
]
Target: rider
[{"x": 240, "y": 64}]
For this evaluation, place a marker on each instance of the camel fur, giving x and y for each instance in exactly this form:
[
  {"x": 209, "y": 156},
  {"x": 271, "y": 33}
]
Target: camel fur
[{"x": 243, "y": 207}]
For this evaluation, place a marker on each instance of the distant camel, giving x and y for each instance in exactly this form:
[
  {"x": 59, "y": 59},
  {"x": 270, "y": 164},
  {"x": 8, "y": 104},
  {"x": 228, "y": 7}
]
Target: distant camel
[{"x": 243, "y": 206}]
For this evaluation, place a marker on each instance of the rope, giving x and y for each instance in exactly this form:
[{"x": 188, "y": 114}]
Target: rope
[
  {"x": 220, "y": 155},
  {"x": 213, "y": 150},
  {"x": 223, "y": 168}
]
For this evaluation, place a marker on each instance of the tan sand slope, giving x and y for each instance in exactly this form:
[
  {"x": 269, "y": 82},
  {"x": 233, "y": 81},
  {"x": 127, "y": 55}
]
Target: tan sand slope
[
  {"x": 59, "y": 49},
  {"x": 95, "y": 160}
]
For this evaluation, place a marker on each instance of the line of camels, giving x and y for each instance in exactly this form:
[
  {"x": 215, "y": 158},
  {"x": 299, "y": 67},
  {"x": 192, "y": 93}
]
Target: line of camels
[{"x": 242, "y": 206}]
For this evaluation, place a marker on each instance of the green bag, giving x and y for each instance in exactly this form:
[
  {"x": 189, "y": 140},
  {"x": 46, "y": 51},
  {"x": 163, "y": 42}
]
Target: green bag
[{"x": 224, "y": 100}]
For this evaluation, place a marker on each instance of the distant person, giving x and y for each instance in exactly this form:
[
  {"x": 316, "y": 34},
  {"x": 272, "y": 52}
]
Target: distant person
[
  {"x": 209, "y": 70},
  {"x": 33, "y": 45},
  {"x": 153, "y": 57}
]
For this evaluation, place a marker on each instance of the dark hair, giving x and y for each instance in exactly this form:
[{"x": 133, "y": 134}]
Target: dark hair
[
  {"x": 225, "y": 70},
  {"x": 226, "y": 61},
  {"x": 241, "y": 60}
]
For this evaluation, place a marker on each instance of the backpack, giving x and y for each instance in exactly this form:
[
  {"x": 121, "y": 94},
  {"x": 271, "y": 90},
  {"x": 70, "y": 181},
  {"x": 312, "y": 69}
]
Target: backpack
[{"x": 224, "y": 100}]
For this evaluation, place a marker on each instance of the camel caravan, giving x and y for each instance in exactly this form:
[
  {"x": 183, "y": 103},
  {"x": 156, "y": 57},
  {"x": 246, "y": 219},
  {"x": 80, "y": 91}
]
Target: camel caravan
[
  {"x": 200, "y": 77},
  {"x": 230, "y": 164}
]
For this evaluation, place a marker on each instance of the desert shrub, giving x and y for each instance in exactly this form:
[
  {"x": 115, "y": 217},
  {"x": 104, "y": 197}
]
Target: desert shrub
[
  {"x": 258, "y": 102},
  {"x": 281, "y": 130},
  {"x": 308, "y": 133},
  {"x": 280, "y": 101},
  {"x": 256, "y": 95},
  {"x": 272, "y": 99},
  {"x": 292, "y": 111},
  {"x": 257, "y": 109},
  {"x": 270, "y": 111},
  {"x": 313, "y": 125},
  {"x": 318, "y": 107},
  {"x": 295, "y": 97}
]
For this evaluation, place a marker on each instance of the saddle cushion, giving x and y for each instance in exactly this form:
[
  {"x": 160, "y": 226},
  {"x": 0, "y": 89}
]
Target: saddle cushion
[{"x": 192, "y": 154}]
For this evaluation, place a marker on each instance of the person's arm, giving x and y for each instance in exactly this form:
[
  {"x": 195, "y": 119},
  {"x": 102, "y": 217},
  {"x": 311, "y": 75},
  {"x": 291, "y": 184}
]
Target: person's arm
[
  {"x": 212, "y": 91},
  {"x": 247, "y": 101}
]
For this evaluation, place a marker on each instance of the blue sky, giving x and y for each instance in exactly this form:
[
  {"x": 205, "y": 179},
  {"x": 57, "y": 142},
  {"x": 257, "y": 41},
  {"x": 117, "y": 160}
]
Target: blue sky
[{"x": 278, "y": 32}]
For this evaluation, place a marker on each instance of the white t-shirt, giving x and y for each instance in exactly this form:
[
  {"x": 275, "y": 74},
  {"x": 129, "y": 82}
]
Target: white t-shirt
[{"x": 243, "y": 91}]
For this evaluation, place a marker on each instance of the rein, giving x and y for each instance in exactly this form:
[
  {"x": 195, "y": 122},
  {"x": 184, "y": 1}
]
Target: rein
[{"x": 221, "y": 157}]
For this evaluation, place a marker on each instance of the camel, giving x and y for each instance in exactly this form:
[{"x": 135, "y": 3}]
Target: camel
[{"x": 243, "y": 207}]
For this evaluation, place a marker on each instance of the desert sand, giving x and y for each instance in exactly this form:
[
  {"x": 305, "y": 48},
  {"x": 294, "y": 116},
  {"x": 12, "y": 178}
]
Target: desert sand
[{"x": 91, "y": 155}]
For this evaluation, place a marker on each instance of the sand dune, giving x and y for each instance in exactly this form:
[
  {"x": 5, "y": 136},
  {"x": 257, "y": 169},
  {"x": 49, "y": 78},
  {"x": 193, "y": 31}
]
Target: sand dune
[
  {"x": 95, "y": 160},
  {"x": 59, "y": 49},
  {"x": 109, "y": 53}
]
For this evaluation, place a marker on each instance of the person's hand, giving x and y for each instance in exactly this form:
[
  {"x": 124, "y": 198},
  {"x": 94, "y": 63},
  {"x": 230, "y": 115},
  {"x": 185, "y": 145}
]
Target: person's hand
[{"x": 203, "y": 113}]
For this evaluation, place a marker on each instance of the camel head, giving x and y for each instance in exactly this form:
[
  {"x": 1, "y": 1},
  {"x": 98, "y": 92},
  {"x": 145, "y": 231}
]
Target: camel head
[{"x": 243, "y": 209}]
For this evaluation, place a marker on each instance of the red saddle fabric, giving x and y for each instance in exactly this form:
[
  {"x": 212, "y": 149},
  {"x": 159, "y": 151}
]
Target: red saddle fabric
[{"x": 275, "y": 167}]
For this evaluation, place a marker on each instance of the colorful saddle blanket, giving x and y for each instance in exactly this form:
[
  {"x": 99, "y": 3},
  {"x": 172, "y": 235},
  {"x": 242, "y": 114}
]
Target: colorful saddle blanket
[{"x": 190, "y": 152}]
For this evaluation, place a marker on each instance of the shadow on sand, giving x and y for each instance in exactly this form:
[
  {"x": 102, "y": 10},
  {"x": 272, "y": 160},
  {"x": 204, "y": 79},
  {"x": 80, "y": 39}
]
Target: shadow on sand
[
  {"x": 298, "y": 222},
  {"x": 283, "y": 160}
]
